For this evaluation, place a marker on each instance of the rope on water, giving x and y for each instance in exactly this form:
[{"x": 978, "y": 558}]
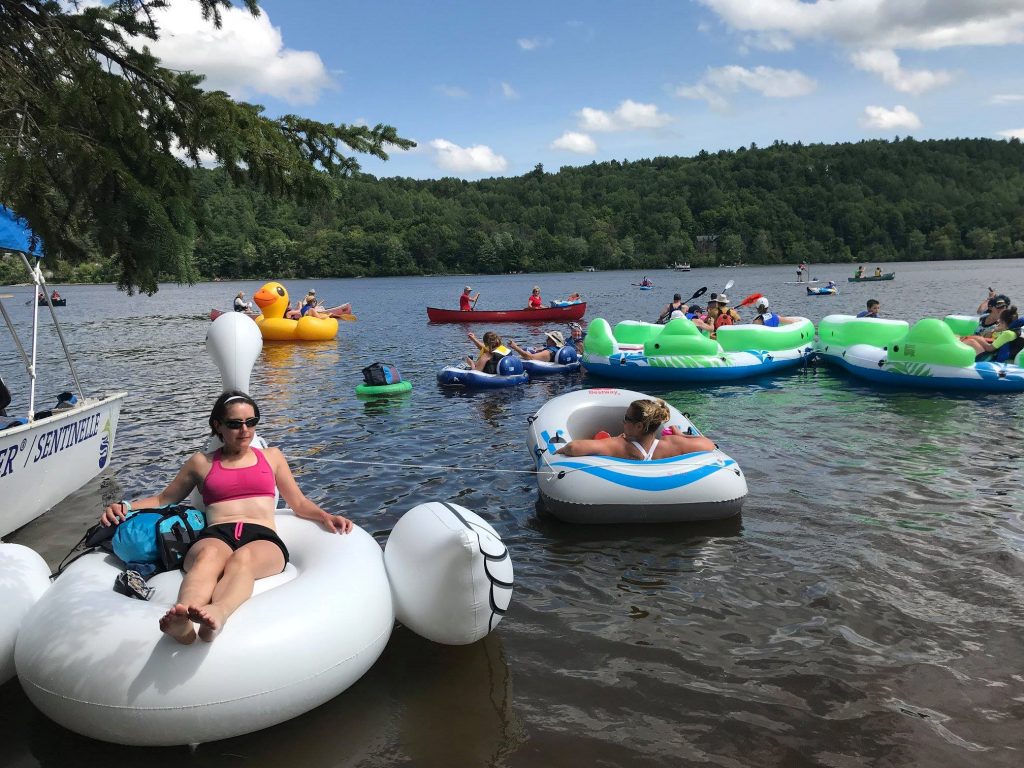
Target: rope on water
[{"x": 415, "y": 466}]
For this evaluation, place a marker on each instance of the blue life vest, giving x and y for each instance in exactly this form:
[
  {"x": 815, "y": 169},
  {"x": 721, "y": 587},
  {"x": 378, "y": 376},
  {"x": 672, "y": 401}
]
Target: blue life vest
[{"x": 772, "y": 321}]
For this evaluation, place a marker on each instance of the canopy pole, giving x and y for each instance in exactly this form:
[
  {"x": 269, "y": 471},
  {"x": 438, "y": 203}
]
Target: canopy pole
[{"x": 40, "y": 281}]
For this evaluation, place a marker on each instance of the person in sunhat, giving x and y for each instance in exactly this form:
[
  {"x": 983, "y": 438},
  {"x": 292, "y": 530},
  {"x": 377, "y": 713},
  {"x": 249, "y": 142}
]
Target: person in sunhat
[
  {"x": 725, "y": 314},
  {"x": 553, "y": 342}
]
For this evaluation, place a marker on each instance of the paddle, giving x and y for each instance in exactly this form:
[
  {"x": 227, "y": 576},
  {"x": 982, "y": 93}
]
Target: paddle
[
  {"x": 729, "y": 285},
  {"x": 347, "y": 318},
  {"x": 749, "y": 300}
]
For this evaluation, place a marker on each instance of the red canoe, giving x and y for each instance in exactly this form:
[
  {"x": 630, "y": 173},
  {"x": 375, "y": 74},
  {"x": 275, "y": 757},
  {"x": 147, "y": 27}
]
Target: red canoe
[{"x": 546, "y": 314}]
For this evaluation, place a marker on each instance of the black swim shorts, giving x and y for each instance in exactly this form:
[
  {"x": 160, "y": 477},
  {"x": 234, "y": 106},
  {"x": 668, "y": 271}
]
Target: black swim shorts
[{"x": 237, "y": 535}]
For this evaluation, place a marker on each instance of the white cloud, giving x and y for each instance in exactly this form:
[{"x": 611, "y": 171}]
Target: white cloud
[
  {"x": 573, "y": 141},
  {"x": 897, "y": 118},
  {"x": 769, "y": 41},
  {"x": 1001, "y": 99},
  {"x": 509, "y": 92},
  {"x": 533, "y": 43},
  {"x": 887, "y": 64},
  {"x": 921, "y": 24},
  {"x": 1016, "y": 133},
  {"x": 629, "y": 116},
  {"x": 453, "y": 91},
  {"x": 476, "y": 159},
  {"x": 245, "y": 57},
  {"x": 769, "y": 82}
]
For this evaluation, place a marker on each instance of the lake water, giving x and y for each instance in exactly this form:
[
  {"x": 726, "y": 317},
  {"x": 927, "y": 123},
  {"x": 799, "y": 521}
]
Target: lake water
[{"x": 865, "y": 610}]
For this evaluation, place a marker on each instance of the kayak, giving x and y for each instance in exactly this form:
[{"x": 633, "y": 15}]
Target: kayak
[
  {"x": 545, "y": 314},
  {"x": 342, "y": 312},
  {"x": 824, "y": 291},
  {"x": 872, "y": 278}
]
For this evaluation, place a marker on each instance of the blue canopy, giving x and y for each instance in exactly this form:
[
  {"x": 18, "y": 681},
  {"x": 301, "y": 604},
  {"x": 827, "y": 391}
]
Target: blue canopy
[{"x": 15, "y": 234}]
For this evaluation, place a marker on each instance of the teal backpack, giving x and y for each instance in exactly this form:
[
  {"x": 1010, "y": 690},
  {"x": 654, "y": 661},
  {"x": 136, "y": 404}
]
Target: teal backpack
[{"x": 160, "y": 536}]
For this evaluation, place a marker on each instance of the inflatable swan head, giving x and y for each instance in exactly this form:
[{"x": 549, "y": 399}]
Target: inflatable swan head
[
  {"x": 234, "y": 342},
  {"x": 272, "y": 299}
]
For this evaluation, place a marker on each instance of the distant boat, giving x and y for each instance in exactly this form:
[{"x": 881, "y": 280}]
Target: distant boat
[
  {"x": 681, "y": 267},
  {"x": 872, "y": 278},
  {"x": 589, "y": 269}
]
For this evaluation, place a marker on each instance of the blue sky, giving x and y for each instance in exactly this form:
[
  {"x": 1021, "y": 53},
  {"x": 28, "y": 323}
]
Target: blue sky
[{"x": 492, "y": 88}]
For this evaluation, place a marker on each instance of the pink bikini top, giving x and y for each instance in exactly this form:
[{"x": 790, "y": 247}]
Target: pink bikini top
[{"x": 226, "y": 483}]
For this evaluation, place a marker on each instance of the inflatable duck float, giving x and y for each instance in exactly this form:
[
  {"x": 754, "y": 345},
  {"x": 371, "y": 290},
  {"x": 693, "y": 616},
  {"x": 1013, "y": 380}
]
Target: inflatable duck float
[
  {"x": 272, "y": 300},
  {"x": 95, "y": 661}
]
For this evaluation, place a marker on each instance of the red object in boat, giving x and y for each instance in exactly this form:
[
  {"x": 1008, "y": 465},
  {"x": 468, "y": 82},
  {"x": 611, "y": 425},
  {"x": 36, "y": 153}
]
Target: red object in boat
[{"x": 543, "y": 315}]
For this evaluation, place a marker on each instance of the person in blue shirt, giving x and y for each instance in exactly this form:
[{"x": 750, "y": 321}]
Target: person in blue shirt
[
  {"x": 872, "y": 310},
  {"x": 764, "y": 315}
]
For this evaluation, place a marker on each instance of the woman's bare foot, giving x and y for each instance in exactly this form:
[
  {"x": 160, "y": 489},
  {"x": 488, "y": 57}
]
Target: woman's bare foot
[
  {"x": 177, "y": 624},
  {"x": 210, "y": 619}
]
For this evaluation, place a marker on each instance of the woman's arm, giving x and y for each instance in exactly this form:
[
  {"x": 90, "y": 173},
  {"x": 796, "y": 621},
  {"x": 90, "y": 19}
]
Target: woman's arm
[
  {"x": 178, "y": 489},
  {"x": 591, "y": 448},
  {"x": 296, "y": 499},
  {"x": 690, "y": 443},
  {"x": 472, "y": 337}
]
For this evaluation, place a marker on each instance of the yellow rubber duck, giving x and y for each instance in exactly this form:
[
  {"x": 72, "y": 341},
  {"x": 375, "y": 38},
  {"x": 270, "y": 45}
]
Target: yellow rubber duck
[{"x": 272, "y": 300}]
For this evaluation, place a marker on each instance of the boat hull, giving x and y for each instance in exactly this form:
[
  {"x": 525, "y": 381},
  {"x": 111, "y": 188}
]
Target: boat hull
[
  {"x": 545, "y": 314},
  {"x": 43, "y": 462}
]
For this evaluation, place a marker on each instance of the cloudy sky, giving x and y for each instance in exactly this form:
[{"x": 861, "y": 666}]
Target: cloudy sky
[{"x": 491, "y": 88}]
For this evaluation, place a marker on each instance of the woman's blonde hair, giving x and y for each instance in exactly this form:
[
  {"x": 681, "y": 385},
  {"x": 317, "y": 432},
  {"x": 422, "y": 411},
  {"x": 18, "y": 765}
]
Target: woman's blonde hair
[
  {"x": 649, "y": 414},
  {"x": 492, "y": 341}
]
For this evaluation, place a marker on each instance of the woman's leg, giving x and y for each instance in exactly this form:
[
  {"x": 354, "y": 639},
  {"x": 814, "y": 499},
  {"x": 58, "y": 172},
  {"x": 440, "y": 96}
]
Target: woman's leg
[
  {"x": 255, "y": 560},
  {"x": 203, "y": 565}
]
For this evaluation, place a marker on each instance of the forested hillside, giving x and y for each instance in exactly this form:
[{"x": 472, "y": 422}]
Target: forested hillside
[{"x": 873, "y": 201}]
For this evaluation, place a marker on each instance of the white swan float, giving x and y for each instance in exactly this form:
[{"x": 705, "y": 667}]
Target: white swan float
[{"x": 95, "y": 661}]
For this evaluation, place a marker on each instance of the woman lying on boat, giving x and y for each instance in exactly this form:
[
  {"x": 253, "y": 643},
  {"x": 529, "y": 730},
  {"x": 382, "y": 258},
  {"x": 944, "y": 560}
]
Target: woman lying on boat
[
  {"x": 641, "y": 438},
  {"x": 239, "y": 543}
]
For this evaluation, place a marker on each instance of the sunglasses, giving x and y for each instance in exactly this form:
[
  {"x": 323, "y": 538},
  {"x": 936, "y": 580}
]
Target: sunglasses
[
  {"x": 630, "y": 419},
  {"x": 251, "y": 422}
]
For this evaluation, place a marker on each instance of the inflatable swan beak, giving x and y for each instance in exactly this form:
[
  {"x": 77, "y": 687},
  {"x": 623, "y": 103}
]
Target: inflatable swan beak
[
  {"x": 450, "y": 573},
  {"x": 234, "y": 342}
]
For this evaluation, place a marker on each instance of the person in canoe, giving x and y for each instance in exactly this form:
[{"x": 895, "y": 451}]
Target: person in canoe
[
  {"x": 860, "y": 272},
  {"x": 54, "y": 296},
  {"x": 241, "y": 305},
  {"x": 878, "y": 271},
  {"x": 872, "y": 310},
  {"x": 239, "y": 543},
  {"x": 467, "y": 302},
  {"x": 642, "y": 438},
  {"x": 535, "y": 301},
  {"x": 491, "y": 351},
  {"x": 553, "y": 342}
]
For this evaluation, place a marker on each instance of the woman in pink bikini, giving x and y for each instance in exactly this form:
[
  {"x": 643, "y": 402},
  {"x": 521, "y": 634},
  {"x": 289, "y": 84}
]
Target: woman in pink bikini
[
  {"x": 239, "y": 544},
  {"x": 641, "y": 438}
]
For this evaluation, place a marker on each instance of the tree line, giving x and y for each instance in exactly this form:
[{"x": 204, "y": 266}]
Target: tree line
[{"x": 871, "y": 202}]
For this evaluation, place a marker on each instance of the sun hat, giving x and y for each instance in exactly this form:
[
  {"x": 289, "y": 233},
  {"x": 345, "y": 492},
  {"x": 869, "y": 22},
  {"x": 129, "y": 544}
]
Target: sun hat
[
  {"x": 557, "y": 337},
  {"x": 723, "y": 299}
]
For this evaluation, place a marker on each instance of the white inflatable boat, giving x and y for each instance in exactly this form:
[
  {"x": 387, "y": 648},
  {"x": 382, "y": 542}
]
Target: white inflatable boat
[{"x": 599, "y": 489}]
